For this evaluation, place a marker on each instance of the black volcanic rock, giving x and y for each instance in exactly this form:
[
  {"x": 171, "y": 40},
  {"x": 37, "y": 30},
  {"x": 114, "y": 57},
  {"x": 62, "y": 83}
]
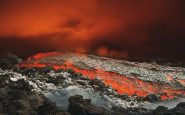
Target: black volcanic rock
[
  {"x": 98, "y": 84},
  {"x": 16, "y": 98},
  {"x": 8, "y": 60},
  {"x": 151, "y": 98},
  {"x": 80, "y": 106},
  {"x": 178, "y": 110},
  {"x": 161, "y": 110}
]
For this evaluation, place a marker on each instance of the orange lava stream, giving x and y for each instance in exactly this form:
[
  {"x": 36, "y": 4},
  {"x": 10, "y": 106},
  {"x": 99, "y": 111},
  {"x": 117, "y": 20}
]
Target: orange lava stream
[
  {"x": 39, "y": 56},
  {"x": 123, "y": 84}
]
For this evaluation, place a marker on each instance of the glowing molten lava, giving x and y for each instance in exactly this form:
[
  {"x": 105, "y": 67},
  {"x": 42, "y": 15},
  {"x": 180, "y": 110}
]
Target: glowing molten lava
[{"x": 123, "y": 84}]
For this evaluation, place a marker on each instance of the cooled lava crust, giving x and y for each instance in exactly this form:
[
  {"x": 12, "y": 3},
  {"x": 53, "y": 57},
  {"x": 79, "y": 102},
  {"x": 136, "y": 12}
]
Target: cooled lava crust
[{"x": 130, "y": 78}]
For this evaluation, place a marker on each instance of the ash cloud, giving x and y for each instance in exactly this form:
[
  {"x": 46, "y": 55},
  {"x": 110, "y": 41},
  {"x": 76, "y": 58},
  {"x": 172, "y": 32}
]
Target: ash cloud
[{"x": 118, "y": 28}]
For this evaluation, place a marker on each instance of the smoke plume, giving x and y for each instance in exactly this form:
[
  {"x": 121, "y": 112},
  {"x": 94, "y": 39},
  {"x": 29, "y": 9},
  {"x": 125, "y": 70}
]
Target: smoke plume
[{"x": 118, "y": 28}]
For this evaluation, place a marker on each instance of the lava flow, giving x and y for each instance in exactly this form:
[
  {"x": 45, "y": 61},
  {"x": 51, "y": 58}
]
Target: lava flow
[{"x": 122, "y": 84}]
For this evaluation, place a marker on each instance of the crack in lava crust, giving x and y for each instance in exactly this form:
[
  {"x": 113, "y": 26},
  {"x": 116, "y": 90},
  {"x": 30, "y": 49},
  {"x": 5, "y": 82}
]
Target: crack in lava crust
[{"x": 122, "y": 84}]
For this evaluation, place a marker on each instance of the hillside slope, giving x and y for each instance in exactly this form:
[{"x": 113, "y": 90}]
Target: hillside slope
[{"x": 131, "y": 78}]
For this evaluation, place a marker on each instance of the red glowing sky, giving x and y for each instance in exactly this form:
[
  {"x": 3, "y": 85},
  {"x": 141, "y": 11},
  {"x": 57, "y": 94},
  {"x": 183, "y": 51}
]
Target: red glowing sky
[{"x": 107, "y": 27}]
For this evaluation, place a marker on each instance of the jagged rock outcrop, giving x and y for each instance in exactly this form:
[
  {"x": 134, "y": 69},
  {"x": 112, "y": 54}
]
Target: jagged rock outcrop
[
  {"x": 152, "y": 98},
  {"x": 8, "y": 60},
  {"x": 80, "y": 106},
  {"x": 16, "y": 98},
  {"x": 162, "y": 110}
]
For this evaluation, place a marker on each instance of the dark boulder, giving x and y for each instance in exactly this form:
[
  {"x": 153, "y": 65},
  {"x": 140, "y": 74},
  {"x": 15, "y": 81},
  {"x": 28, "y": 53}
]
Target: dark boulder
[
  {"x": 80, "y": 106},
  {"x": 98, "y": 84},
  {"x": 4, "y": 80},
  {"x": 178, "y": 110},
  {"x": 47, "y": 107},
  {"x": 161, "y": 110},
  {"x": 8, "y": 60},
  {"x": 151, "y": 98}
]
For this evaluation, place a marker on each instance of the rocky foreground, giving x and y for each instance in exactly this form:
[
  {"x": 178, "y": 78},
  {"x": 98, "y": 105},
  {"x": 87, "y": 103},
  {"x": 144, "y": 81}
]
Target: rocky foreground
[
  {"x": 47, "y": 91},
  {"x": 20, "y": 94}
]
